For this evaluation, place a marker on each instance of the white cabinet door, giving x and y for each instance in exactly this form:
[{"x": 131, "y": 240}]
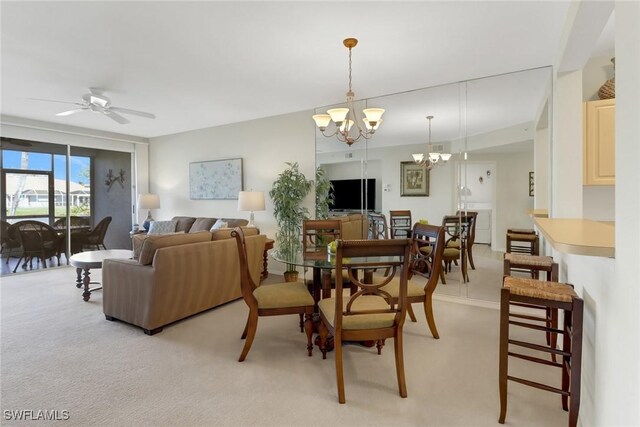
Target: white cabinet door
[{"x": 483, "y": 227}]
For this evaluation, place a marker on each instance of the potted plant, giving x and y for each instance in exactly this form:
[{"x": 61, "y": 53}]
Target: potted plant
[
  {"x": 324, "y": 195},
  {"x": 288, "y": 193}
]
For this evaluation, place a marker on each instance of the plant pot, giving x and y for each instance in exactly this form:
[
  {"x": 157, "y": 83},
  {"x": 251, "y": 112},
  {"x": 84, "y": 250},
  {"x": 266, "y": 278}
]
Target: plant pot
[{"x": 291, "y": 276}]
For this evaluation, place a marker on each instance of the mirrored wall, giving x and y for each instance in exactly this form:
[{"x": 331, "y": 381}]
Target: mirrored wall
[{"x": 497, "y": 132}]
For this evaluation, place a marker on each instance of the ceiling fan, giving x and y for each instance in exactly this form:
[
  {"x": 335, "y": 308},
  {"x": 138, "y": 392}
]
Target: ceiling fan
[{"x": 97, "y": 102}]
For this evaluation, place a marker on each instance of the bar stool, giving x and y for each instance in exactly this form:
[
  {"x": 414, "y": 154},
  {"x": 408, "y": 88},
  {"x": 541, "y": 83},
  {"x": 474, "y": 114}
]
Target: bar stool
[
  {"x": 522, "y": 241},
  {"x": 535, "y": 265},
  {"x": 545, "y": 294}
]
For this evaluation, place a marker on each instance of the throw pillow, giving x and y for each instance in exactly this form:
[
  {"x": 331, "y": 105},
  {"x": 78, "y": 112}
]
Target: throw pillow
[
  {"x": 162, "y": 227},
  {"x": 219, "y": 224}
]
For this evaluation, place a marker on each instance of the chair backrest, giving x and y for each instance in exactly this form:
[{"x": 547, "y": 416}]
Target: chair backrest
[
  {"x": 427, "y": 263},
  {"x": 100, "y": 230},
  {"x": 358, "y": 255},
  {"x": 5, "y": 234},
  {"x": 247, "y": 285},
  {"x": 400, "y": 224},
  {"x": 472, "y": 232},
  {"x": 34, "y": 234},
  {"x": 317, "y": 234},
  {"x": 378, "y": 226},
  {"x": 458, "y": 227}
]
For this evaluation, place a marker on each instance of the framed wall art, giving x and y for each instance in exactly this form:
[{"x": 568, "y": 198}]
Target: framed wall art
[
  {"x": 215, "y": 179},
  {"x": 531, "y": 184},
  {"x": 414, "y": 179}
]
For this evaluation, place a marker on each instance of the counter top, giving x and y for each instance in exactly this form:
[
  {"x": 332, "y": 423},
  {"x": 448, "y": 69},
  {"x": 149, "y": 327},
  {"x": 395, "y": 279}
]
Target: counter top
[
  {"x": 538, "y": 213},
  {"x": 579, "y": 236}
]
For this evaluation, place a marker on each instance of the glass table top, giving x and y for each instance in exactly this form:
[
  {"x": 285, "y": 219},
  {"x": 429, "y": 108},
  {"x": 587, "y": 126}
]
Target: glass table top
[{"x": 328, "y": 261}]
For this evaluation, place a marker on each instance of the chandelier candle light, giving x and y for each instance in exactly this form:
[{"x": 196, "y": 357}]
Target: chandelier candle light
[
  {"x": 251, "y": 201},
  {"x": 345, "y": 118},
  {"x": 432, "y": 158}
]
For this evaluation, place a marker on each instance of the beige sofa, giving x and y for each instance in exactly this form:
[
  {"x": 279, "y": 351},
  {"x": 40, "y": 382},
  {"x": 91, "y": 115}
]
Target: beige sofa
[
  {"x": 353, "y": 226},
  {"x": 176, "y": 276},
  {"x": 190, "y": 224}
]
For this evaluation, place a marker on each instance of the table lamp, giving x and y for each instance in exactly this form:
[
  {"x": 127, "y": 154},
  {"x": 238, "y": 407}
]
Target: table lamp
[
  {"x": 251, "y": 201},
  {"x": 148, "y": 201}
]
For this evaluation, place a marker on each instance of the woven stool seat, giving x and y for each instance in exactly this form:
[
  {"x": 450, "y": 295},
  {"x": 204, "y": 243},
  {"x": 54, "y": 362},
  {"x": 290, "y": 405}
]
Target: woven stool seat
[
  {"x": 529, "y": 260},
  {"x": 522, "y": 237},
  {"x": 539, "y": 289},
  {"x": 521, "y": 231}
]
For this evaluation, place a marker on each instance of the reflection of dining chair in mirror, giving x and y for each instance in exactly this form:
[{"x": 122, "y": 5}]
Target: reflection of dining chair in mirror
[
  {"x": 428, "y": 245},
  {"x": 378, "y": 226},
  {"x": 470, "y": 238},
  {"x": 367, "y": 314},
  {"x": 457, "y": 228},
  {"x": 400, "y": 224},
  {"x": 270, "y": 300},
  {"x": 316, "y": 235},
  {"x": 38, "y": 240}
]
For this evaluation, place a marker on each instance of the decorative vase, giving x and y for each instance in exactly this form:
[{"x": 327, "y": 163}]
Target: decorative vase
[
  {"x": 291, "y": 276},
  {"x": 608, "y": 89}
]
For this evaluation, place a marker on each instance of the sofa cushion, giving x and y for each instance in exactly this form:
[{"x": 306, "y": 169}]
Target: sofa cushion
[
  {"x": 225, "y": 233},
  {"x": 202, "y": 224},
  {"x": 184, "y": 223},
  {"x": 152, "y": 243},
  {"x": 219, "y": 224},
  {"x": 162, "y": 227},
  {"x": 235, "y": 222}
]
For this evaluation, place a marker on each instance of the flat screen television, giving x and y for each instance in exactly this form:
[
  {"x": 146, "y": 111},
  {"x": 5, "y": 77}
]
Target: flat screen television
[{"x": 346, "y": 193}]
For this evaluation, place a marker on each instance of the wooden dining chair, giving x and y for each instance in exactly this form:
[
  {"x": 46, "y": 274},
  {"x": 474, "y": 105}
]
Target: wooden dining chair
[
  {"x": 270, "y": 300},
  {"x": 457, "y": 229},
  {"x": 471, "y": 236},
  {"x": 317, "y": 234},
  {"x": 378, "y": 228},
  {"x": 370, "y": 314},
  {"x": 426, "y": 264},
  {"x": 400, "y": 224}
]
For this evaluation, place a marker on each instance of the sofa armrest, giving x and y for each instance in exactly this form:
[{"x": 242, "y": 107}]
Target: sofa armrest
[{"x": 127, "y": 289}]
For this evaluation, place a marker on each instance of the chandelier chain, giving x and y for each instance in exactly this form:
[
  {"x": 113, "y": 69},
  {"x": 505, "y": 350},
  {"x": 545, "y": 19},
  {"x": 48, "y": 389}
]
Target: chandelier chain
[{"x": 349, "y": 70}]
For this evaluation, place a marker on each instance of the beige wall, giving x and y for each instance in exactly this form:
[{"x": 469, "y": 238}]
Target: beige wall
[{"x": 264, "y": 146}]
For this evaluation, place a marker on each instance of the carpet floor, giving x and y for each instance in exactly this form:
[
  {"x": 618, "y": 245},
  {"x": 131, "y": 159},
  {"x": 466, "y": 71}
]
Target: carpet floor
[{"x": 59, "y": 353}]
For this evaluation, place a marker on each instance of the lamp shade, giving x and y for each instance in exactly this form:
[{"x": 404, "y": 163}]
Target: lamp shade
[
  {"x": 148, "y": 201},
  {"x": 251, "y": 201}
]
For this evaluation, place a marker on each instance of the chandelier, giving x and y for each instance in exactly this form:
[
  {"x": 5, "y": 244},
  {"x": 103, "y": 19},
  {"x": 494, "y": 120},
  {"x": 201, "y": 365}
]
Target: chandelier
[
  {"x": 345, "y": 118},
  {"x": 432, "y": 158}
]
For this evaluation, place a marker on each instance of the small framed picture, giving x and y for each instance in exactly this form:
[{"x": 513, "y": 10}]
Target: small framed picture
[
  {"x": 414, "y": 179},
  {"x": 531, "y": 184}
]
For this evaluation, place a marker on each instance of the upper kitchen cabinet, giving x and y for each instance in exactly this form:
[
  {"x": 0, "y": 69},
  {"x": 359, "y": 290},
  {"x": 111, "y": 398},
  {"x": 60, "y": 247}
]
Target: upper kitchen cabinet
[{"x": 599, "y": 142}]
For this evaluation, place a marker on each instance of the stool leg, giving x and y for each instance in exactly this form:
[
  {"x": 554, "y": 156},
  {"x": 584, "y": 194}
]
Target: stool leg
[
  {"x": 504, "y": 352},
  {"x": 566, "y": 360},
  {"x": 576, "y": 361}
]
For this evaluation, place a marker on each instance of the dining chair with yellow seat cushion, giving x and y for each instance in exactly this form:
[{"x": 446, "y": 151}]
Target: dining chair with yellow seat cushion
[
  {"x": 270, "y": 300},
  {"x": 370, "y": 314},
  {"x": 428, "y": 246}
]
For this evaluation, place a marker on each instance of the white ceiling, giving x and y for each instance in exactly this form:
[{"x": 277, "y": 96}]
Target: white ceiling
[{"x": 202, "y": 64}]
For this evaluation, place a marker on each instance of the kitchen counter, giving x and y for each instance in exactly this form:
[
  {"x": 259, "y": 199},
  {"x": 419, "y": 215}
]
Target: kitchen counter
[
  {"x": 579, "y": 236},
  {"x": 538, "y": 213}
]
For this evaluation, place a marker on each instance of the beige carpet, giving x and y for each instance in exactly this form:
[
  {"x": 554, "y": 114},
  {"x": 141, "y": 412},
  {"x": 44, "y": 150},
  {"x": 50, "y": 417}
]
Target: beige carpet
[{"x": 59, "y": 353}]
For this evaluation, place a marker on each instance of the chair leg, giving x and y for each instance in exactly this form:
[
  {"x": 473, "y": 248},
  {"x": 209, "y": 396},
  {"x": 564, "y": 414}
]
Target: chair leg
[
  {"x": 252, "y": 324},
  {"x": 301, "y": 322},
  {"x": 576, "y": 361},
  {"x": 323, "y": 339},
  {"x": 308, "y": 327},
  {"x": 566, "y": 346},
  {"x": 412, "y": 315},
  {"x": 339, "y": 371},
  {"x": 402, "y": 384},
  {"x": 379, "y": 345},
  {"x": 442, "y": 279},
  {"x": 19, "y": 259},
  {"x": 504, "y": 352},
  {"x": 428, "y": 312},
  {"x": 246, "y": 329},
  {"x": 470, "y": 255}
]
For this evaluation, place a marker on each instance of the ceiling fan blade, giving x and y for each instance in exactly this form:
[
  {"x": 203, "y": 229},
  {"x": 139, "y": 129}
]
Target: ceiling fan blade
[
  {"x": 115, "y": 116},
  {"x": 134, "y": 112},
  {"x": 53, "y": 100},
  {"x": 70, "y": 112}
]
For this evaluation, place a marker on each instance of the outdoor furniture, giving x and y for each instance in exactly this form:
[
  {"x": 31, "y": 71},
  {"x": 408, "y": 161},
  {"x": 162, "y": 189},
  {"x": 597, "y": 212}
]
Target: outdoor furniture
[
  {"x": 10, "y": 241},
  {"x": 95, "y": 237},
  {"x": 38, "y": 240}
]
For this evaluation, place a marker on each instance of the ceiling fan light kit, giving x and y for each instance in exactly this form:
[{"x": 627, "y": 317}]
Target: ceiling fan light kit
[
  {"x": 345, "y": 118},
  {"x": 97, "y": 102}
]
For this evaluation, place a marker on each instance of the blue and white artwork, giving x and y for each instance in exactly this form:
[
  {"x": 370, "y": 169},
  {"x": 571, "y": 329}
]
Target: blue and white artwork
[{"x": 215, "y": 180}]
